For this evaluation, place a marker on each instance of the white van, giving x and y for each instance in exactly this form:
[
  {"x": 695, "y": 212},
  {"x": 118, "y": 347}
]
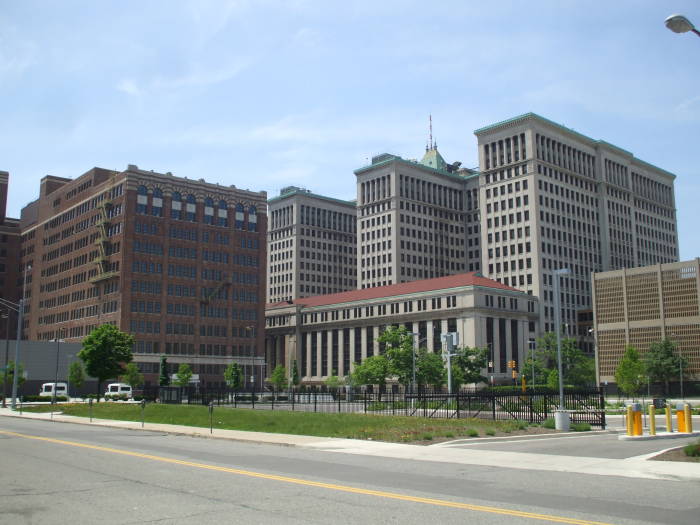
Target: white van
[
  {"x": 117, "y": 389},
  {"x": 47, "y": 389}
]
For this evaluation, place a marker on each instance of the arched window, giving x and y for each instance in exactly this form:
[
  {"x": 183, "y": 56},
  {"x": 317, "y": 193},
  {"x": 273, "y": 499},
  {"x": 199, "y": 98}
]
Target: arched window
[
  {"x": 142, "y": 200},
  {"x": 176, "y": 206},
  {"x": 223, "y": 214},
  {"x": 191, "y": 209},
  {"x": 208, "y": 211},
  {"x": 157, "y": 203},
  {"x": 252, "y": 219},
  {"x": 240, "y": 216}
]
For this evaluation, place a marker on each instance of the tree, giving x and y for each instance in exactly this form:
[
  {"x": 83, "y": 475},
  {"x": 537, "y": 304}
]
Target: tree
[
  {"x": 234, "y": 376},
  {"x": 8, "y": 376},
  {"x": 183, "y": 375},
  {"x": 372, "y": 371},
  {"x": 76, "y": 374},
  {"x": 578, "y": 369},
  {"x": 295, "y": 373},
  {"x": 430, "y": 369},
  {"x": 470, "y": 362},
  {"x": 630, "y": 372},
  {"x": 132, "y": 376},
  {"x": 333, "y": 381},
  {"x": 399, "y": 352},
  {"x": 163, "y": 377},
  {"x": 105, "y": 352},
  {"x": 279, "y": 377},
  {"x": 662, "y": 363}
]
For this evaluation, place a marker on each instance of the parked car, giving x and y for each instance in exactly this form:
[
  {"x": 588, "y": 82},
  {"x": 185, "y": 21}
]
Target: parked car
[
  {"x": 115, "y": 389},
  {"x": 47, "y": 389}
]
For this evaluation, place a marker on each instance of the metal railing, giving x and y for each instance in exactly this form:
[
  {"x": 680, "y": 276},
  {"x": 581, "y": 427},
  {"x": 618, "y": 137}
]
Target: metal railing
[{"x": 584, "y": 405}]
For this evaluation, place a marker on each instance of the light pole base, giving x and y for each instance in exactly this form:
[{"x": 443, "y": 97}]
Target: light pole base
[{"x": 562, "y": 421}]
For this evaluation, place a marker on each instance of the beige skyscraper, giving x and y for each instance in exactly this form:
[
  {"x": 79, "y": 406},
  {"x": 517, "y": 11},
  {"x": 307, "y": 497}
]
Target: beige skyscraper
[
  {"x": 311, "y": 245},
  {"x": 553, "y": 198},
  {"x": 416, "y": 220}
]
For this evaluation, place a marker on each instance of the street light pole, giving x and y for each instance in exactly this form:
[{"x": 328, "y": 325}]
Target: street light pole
[
  {"x": 20, "y": 315},
  {"x": 532, "y": 343},
  {"x": 680, "y": 24},
  {"x": 58, "y": 349},
  {"x": 7, "y": 347},
  {"x": 563, "y": 423}
]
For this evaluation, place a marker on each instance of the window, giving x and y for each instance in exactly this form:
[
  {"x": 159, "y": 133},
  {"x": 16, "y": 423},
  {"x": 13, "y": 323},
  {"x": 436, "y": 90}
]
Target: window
[
  {"x": 252, "y": 219},
  {"x": 157, "y": 203},
  {"x": 191, "y": 209},
  {"x": 223, "y": 214},
  {"x": 141, "y": 200},
  {"x": 208, "y": 211},
  {"x": 240, "y": 216},
  {"x": 176, "y": 206}
]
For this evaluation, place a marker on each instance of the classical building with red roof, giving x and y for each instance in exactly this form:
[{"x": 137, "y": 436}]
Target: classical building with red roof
[{"x": 328, "y": 334}]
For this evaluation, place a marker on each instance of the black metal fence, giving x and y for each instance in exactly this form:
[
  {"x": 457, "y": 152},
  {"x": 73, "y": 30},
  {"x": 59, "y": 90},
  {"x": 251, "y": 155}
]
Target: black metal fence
[{"x": 533, "y": 406}]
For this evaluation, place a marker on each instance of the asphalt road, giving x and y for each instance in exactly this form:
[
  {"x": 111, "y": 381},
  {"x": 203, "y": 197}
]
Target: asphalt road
[{"x": 79, "y": 474}]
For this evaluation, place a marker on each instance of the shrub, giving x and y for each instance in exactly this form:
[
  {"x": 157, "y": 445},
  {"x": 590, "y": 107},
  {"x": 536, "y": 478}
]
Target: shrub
[
  {"x": 549, "y": 423},
  {"x": 376, "y": 405},
  {"x": 692, "y": 450},
  {"x": 427, "y": 437},
  {"x": 580, "y": 427},
  {"x": 449, "y": 434},
  {"x": 472, "y": 433},
  {"x": 29, "y": 399},
  {"x": 490, "y": 432}
]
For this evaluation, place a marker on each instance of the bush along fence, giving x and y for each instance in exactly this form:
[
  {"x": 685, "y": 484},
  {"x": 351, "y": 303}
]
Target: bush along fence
[{"x": 533, "y": 406}]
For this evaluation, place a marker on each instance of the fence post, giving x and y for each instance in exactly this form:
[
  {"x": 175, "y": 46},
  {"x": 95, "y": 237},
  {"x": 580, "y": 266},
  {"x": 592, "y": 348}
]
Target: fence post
[
  {"x": 457, "y": 401},
  {"x": 364, "y": 399},
  {"x": 293, "y": 394},
  {"x": 493, "y": 405},
  {"x": 529, "y": 404},
  {"x": 337, "y": 393},
  {"x": 315, "y": 399}
]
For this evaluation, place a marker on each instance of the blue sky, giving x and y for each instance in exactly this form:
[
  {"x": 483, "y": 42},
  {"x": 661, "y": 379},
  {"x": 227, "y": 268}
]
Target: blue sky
[{"x": 264, "y": 94}]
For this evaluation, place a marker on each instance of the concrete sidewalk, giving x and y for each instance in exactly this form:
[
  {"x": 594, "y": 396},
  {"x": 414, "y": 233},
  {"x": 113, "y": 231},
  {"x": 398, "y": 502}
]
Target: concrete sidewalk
[{"x": 634, "y": 467}]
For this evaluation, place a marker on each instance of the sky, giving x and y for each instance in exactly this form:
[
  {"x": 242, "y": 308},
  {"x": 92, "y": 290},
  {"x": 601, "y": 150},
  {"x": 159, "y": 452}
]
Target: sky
[{"x": 266, "y": 94}]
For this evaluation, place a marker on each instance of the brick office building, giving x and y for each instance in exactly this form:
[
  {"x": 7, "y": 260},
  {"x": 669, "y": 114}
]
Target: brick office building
[
  {"x": 178, "y": 263},
  {"x": 9, "y": 262}
]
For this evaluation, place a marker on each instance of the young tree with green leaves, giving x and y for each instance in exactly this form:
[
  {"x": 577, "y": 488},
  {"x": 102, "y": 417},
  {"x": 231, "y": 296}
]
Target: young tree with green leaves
[
  {"x": 234, "y": 376},
  {"x": 278, "y": 378},
  {"x": 470, "y": 362},
  {"x": 430, "y": 369},
  {"x": 8, "y": 375},
  {"x": 333, "y": 381},
  {"x": 295, "y": 373},
  {"x": 132, "y": 376},
  {"x": 578, "y": 369},
  {"x": 163, "y": 377},
  {"x": 663, "y": 362},
  {"x": 183, "y": 375},
  {"x": 630, "y": 374},
  {"x": 372, "y": 371},
  {"x": 399, "y": 352},
  {"x": 76, "y": 374},
  {"x": 106, "y": 350}
]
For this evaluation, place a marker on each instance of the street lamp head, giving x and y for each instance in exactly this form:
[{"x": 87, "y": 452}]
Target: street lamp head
[{"x": 679, "y": 24}]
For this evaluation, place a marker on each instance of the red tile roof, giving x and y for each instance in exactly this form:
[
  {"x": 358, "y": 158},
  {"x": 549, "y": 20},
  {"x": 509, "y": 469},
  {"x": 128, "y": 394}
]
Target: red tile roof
[{"x": 425, "y": 285}]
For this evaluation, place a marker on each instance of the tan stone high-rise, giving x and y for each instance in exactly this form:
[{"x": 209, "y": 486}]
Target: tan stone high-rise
[
  {"x": 416, "y": 220},
  {"x": 553, "y": 198},
  {"x": 311, "y": 245}
]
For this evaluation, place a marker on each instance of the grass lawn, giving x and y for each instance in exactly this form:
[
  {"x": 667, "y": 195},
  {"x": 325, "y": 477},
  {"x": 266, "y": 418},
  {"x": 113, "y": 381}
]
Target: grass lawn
[{"x": 354, "y": 426}]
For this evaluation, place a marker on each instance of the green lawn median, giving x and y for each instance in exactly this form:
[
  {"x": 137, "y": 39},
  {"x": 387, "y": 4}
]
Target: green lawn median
[{"x": 353, "y": 426}]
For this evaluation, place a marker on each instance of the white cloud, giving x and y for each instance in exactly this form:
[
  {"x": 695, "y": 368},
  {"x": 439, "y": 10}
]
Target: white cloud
[{"x": 129, "y": 87}]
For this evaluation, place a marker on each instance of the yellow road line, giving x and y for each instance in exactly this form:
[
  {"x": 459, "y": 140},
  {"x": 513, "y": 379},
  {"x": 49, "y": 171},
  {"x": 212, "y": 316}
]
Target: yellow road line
[{"x": 330, "y": 486}]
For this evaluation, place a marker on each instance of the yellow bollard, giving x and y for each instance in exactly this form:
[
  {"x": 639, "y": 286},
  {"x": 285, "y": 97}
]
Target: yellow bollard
[
  {"x": 628, "y": 420},
  {"x": 669, "y": 419},
  {"x": 652, "y": 420},
  {"x": 637, "y": 421},
  {"x": 688, "y": 419},
  {"x": 680, "y": 415}
]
